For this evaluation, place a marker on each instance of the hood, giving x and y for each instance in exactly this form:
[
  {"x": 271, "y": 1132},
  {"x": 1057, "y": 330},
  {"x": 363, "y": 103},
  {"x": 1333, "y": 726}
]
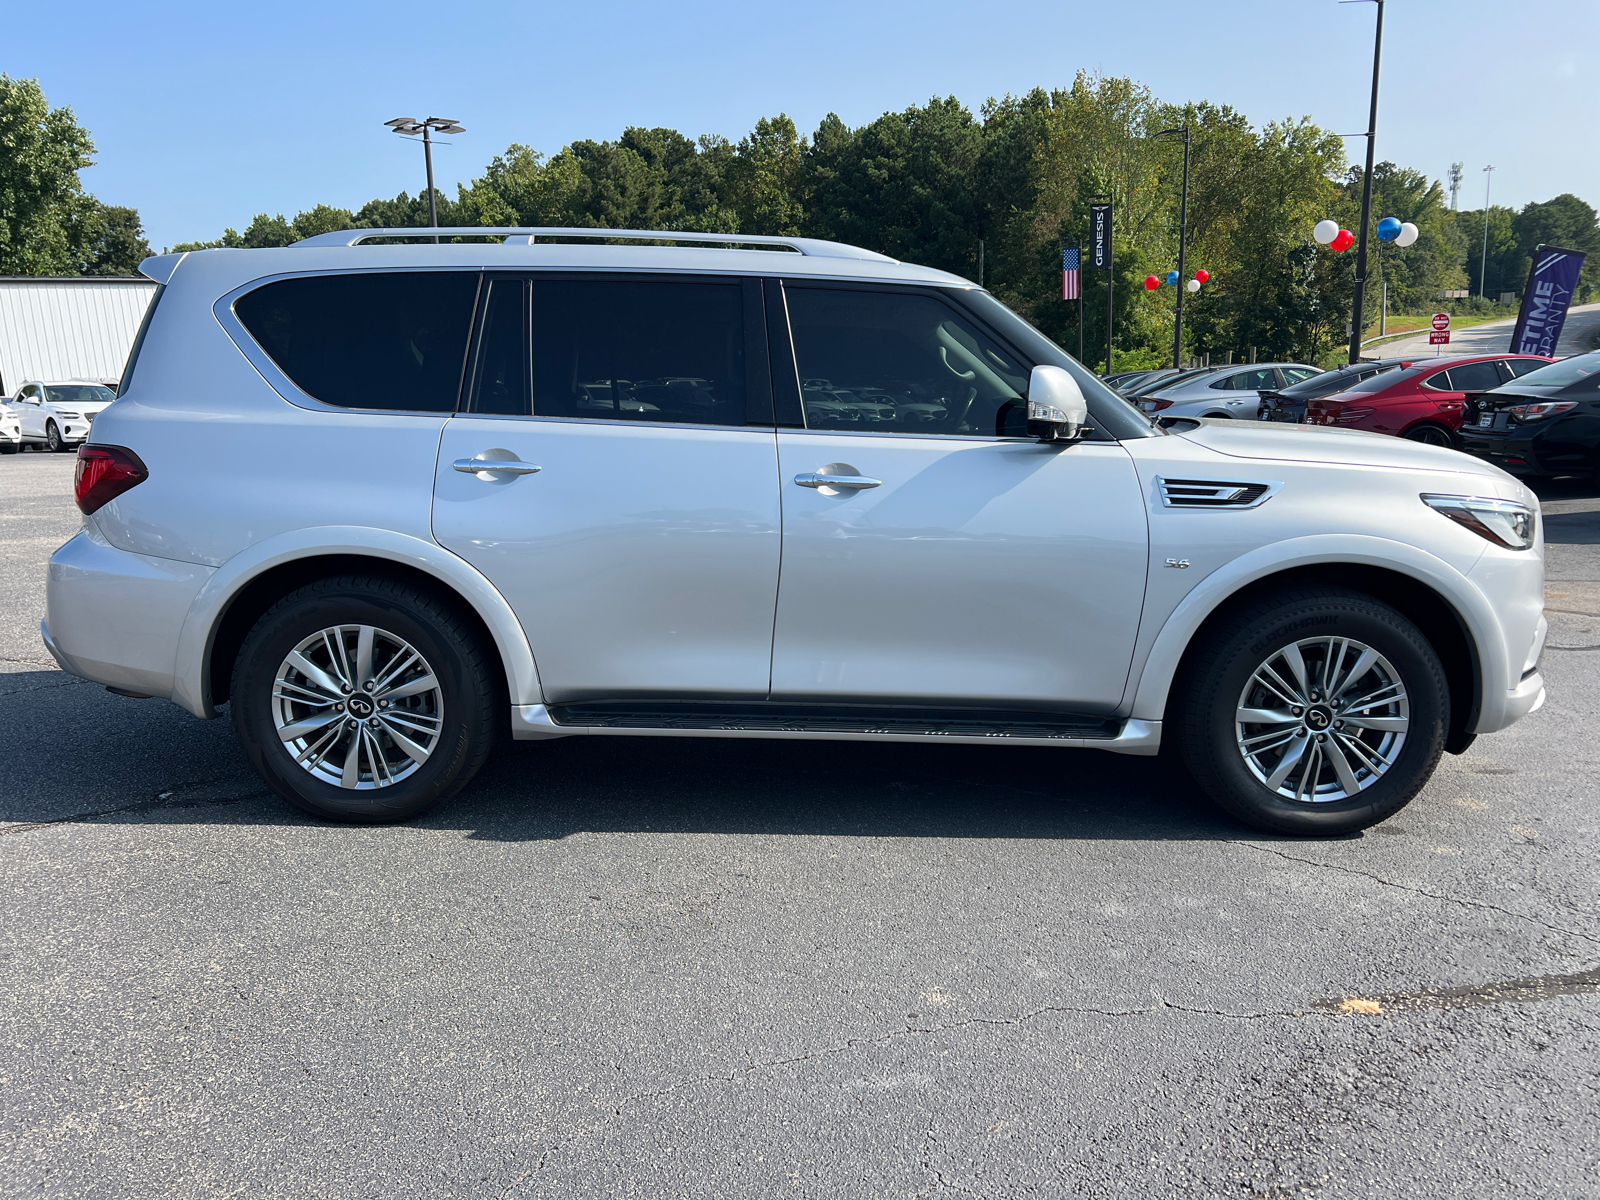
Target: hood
[{"x": 1319, "y": 443}]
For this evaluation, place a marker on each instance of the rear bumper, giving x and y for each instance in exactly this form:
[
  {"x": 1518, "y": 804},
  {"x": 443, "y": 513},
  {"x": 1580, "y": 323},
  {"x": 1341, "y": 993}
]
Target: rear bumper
[{"x": 114, "y": 617}]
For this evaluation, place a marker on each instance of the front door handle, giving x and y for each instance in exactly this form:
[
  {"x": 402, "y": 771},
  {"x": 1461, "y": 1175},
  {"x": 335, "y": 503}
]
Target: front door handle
[
  {"x": 492, "y": 461},
  {"x": 815, "y": 480}
]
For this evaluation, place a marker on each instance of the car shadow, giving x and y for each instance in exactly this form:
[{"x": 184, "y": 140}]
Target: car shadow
[{"x": 149, "y": 762}]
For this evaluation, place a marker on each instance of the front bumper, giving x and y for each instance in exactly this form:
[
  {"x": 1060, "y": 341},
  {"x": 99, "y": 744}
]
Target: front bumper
[{"x": 115, "y": 617}]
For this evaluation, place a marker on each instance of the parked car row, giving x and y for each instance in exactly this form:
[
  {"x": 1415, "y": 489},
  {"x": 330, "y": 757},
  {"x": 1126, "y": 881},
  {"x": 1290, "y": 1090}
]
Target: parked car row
[
  {"x": 55, "y": 415},
  {"x": 1546, "y": 422}
]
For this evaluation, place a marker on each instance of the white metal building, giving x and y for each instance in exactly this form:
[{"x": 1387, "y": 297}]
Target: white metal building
[{"x": 68, "y": 327}]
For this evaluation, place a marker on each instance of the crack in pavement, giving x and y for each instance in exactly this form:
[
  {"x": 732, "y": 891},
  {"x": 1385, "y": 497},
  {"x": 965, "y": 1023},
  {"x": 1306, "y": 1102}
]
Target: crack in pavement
[
  {"x": 45, "y": 687},
  {"x": 164, "y": 800},
  {"x": 1588, "y": 937},
  {"x": 884, "y": 1039}
]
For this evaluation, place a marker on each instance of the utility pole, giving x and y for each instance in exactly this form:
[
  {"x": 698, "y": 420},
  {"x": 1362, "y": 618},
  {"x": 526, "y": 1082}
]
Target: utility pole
[
  {"x": 1356, "y": 322},
  {"x": 1183, "y": 233},
  {"x": 1483, "y": 262}
]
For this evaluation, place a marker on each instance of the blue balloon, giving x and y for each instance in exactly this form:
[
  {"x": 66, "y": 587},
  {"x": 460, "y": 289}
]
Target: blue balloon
[
  {"x": 1388, "y": 229},
  {"x": 1172, "y": 277}
]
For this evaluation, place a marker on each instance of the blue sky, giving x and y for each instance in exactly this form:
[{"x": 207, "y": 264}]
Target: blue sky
[{"x": 205, "y": 114}]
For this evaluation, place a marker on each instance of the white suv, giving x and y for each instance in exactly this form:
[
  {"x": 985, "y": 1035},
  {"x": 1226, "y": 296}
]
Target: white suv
[
  {"x": 391, "y": 499},
  {"x": 59, "y": 415}
]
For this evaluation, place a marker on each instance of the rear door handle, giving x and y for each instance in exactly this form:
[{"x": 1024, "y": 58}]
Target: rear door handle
[
  {"x": 814, "y": 480},
  {"x": 483, "y": 464}
]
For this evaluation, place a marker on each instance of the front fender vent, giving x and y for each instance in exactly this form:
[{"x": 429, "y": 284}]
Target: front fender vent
[{"x": 1215, "y": 493}]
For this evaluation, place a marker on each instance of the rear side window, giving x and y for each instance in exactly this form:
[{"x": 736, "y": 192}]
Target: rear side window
[
  {"x": 631, "y": 350},
  {"x": 1521, "y": 366},
  {"x": 888, "y": 362},
  {"x": 395, "y": 340}
]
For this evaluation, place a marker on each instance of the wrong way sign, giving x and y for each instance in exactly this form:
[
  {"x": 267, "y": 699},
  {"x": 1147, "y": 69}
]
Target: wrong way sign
[{"x": 1439, "y": 338}]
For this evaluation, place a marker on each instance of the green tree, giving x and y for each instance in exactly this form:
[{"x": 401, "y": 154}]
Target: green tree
[
  {"x": 119, "y": 244},
  {"x": 46, "y": 220},
  {"x": 1565, "y": 221}
]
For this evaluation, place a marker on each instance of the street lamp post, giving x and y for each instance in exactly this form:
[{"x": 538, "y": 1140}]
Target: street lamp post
[
  {"x": 1483, "y": 262},
  {"x": 1183, "y": 233},
  {"x": 410, "y": 126},
  {"x": 1366, "y": 196}
]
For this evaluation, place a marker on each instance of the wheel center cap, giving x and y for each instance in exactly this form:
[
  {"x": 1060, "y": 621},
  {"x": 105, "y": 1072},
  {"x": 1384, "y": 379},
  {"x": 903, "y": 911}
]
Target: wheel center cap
[
  {"x": 1318, "y": 717},
  {"x": 360, "y": 706}
]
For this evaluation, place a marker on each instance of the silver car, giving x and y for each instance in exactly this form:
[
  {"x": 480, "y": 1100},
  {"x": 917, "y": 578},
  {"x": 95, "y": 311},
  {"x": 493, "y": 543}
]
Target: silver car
[{"x": 1228, "y": 392}]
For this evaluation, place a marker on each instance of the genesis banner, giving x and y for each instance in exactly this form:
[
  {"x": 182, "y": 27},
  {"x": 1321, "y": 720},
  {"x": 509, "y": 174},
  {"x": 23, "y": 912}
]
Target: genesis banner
[
  {"x": 1544, "y": 302},
  {"x": 1100, "y": 236}
]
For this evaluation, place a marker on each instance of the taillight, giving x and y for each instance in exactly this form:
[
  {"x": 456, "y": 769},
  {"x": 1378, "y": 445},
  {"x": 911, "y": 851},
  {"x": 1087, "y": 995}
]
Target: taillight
[
  {"x": 104, "y": 473},
  {"x": 1156, "y": 405},
  {"x": 1542, "y": 409}
]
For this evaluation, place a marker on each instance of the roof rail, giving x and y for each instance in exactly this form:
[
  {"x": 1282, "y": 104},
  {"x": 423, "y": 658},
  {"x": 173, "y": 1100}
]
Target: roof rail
[{"x": 528, "y": 235}]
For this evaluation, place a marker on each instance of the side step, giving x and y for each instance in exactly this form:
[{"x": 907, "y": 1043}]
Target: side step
[{"x": 989, "y": 727}]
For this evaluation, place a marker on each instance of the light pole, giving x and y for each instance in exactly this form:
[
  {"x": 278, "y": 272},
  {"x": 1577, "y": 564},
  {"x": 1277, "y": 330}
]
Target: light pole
[
  {"x": 1483, "y": 262},
  {"x": 410, "y": 126},
  {"x": 1366, "y": 196},
  {"x": 1183, "y": 231}
]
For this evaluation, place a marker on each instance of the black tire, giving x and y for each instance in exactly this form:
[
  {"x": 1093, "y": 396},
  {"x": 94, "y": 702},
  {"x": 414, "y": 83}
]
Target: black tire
[
  {"x": 10, "y": 447},
  {"x": 459, "y": 664},
  {"x": 1206, "y": 708},
  {"x": 1430, "y": 435},
  {"x": 52, "y": 438}
]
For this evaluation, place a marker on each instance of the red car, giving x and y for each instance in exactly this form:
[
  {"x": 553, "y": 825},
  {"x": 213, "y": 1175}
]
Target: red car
[{"x": 1423, "y": 400}]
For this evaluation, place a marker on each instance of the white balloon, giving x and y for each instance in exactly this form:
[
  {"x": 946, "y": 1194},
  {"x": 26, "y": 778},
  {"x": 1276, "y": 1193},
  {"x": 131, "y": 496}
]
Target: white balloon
[
  {"x": 1326, "y": 231},
  {"x": 1408, "y": 234},
  {"x": 1193, "y": 285}
]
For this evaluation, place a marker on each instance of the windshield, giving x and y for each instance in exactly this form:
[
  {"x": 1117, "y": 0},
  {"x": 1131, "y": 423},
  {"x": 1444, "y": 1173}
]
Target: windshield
[
  {"x": 85, "y": 393},
  {"x": 1567, "y": 371},
  {"x": 1109, "y": 412},
  {"x": 1383, "y": 379}
]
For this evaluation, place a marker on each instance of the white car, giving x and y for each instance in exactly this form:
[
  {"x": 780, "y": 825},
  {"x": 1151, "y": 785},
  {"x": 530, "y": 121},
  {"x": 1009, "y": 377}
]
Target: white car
[
  {"x": 1234, "y": 393},
  {"x": 389, "y": 500},
  {"x": 58, "y": 415},
  {"x": 10, "y": 428}
]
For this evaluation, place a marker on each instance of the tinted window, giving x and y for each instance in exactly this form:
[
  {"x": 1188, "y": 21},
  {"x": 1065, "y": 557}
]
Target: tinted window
[
  {"x": 1557, "y": 374},
  {"x": 887, "y": 362},
  {"x": 1296, "y": 374},
  {"x": 374, "y": 340},
  {"x": 639, "y": 351},
  {"x": 501, "y": 384},
  {"x": 1475, "y": 377},
  {"x": 1387, "y": 379},
  {"x": 1258, "y": 379}
]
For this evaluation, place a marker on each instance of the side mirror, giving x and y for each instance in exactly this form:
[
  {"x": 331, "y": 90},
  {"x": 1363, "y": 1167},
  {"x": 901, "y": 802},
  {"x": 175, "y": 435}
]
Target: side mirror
[{"x": 1056, "y": 407}]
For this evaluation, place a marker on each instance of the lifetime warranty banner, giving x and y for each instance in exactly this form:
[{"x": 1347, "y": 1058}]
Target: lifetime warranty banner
[{"x": 1545, "y": 300}]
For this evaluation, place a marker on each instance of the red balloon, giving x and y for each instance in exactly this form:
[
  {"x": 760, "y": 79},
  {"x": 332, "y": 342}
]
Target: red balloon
[
  {"x": 1342, "y": 241},
  {"x": 1151, "y": 282},
  {"x": 1202, "y": 275}
]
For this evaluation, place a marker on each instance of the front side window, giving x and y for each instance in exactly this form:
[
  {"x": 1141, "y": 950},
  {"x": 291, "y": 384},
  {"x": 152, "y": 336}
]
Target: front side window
[
  {"x": 627, "y": 350},
  {"x": 378, "y": 340},
  {"x": 1475, "y": 377},
  {"x": 893, "y": 362}
]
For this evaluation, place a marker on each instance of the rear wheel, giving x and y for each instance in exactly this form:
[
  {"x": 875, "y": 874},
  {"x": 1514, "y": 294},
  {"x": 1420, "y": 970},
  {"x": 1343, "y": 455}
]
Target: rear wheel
[
  {"x": 1430, "y": 435},
  {"x": 363, "y": 699},
  {"x": 1313, "y": 712}
]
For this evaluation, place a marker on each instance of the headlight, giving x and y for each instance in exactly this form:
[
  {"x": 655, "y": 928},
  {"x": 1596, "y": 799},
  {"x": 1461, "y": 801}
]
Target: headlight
[
  {"x": 1503, "y": 522},
  {"x": 68, "y": 416}
]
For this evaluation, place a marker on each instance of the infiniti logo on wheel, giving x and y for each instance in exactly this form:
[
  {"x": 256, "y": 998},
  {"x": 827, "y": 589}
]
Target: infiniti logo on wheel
[
  {"x": 360, "y": 706},
  {"x": 1317, "y": 718}
]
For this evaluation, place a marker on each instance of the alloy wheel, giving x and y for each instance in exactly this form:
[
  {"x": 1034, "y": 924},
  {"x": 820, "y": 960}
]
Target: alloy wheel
[
  {"x": 1322, "y": 719},
  {"x": 357, "y": 707}
]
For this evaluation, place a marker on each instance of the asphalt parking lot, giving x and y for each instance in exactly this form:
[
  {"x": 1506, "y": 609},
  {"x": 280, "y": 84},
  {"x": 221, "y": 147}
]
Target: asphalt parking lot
[{"x": 694, "y": 968}]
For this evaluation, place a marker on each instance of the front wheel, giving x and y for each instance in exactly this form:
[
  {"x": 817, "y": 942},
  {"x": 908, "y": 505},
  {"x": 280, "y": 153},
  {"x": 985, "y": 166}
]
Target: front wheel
[
  {"x": 363, "y": 699},
  {"x": 1314, "y": 712},
  {"x": 52, "y": 438}
]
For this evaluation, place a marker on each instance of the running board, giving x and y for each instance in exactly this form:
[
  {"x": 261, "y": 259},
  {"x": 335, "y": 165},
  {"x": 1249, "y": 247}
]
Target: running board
[{"x": 536, "y": 722}]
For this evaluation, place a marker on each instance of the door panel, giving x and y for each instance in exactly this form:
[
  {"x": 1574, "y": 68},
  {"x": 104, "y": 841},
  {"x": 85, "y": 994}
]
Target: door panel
[
  {"x": 978, "y": 572},
  {"x": 641, "y": 560}
]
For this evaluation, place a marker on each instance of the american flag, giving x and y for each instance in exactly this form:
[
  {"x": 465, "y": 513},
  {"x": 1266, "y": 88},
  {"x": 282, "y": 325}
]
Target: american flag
[{"x": 1069, "y": 273}]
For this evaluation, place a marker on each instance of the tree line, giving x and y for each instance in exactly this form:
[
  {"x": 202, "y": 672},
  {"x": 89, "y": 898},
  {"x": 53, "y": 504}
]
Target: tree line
[{"x": 940, "y": 185}]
